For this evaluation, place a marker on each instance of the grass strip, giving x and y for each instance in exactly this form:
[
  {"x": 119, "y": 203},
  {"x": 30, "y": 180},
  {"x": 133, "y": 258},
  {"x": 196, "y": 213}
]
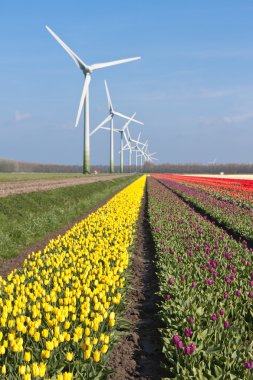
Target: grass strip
[{"x": 28, "y": 218}]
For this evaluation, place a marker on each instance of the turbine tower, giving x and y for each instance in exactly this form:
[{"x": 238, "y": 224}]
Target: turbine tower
[
  {"x": 110, "y": 118},
  {"x": 84, "y": 102}
]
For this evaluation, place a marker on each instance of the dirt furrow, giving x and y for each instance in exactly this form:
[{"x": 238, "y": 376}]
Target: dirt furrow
[
  {"x": 12, "y": 188},
  {"x": 139, "y": 353}
]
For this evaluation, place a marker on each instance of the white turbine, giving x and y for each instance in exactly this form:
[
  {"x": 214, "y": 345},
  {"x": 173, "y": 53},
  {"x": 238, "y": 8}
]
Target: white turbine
[
  {"x": 136, "y": 148},
  {"x": 122, "y": 136},
  {"x": 112, "y": 113},
  {"x": 84, "y": 102},
  {"x": 129, "y": 147}
]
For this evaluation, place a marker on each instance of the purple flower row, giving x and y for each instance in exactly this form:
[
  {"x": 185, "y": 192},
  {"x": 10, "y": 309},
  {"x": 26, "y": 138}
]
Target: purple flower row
[
  {"x": 206, "y": 280},
  {"x": 231, "y": 215}
]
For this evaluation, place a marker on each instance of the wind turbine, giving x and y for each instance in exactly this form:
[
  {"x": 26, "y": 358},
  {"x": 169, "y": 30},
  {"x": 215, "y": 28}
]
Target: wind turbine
[
  {"x": 112, "y": 113},
  {"x": 122, "y": 136},
  {"x": 212, "y": 162},
  {"x": 129, "y": 147},
  {"x": 136, "y": 148},
  {"x": 84, "y": 102},
  {"x": 151, "y": 158}
]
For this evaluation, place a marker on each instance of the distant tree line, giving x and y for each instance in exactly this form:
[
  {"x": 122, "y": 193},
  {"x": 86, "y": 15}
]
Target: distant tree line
[
  {"x": 7, "y": 166},
  {"x": 196, "y": 168}
]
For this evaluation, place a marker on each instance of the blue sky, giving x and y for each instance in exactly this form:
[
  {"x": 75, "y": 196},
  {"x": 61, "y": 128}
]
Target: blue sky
[{"x": 193, "y": 87}]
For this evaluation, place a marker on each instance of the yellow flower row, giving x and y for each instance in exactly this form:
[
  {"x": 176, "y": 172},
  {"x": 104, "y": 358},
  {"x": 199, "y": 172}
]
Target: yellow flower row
[{"x": 57, "y": 314}]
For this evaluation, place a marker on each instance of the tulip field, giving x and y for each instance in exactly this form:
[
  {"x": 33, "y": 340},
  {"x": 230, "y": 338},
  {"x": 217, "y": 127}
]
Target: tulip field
[
  {"x": 57, "y": 314},
  {"x": 233, "y": 209},
  {"x": 60, "y": 313},
  {"x": 205, "y": 282}
]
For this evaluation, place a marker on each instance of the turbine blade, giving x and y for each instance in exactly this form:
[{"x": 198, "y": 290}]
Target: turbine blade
[
  {"x": 108, "y": 97},
  {"x": 127, "y": 117},
  {"x": 108, "y": 118},
  {"x": 73, "y": 55},
  {"x": 128, "y": 122},
  {"x": 85, "y": 90},
  {"x": 112, "y": 63},
  {"x": 127, "y": 142}
]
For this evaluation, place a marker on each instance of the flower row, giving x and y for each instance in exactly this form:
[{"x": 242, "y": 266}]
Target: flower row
[
  {"x": 57, "y": 314},
  {"x": 232, "y": 216},
  {"x": 235, "y": 190},
  {"x": 206, "y": 284}
]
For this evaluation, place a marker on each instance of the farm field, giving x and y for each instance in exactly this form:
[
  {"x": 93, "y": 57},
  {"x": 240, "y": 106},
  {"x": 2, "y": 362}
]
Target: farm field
[
  {"x": 231, "y": 176},
  {"x": 228, "y": 202},
  {"x": 26, "y": 219},
  {"x": 154, "y": 284},
  {"x": 11, "y": 184}
]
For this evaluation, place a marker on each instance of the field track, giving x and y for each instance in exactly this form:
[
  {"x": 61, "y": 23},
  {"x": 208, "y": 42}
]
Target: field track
[{"x": 19, "y": 187}]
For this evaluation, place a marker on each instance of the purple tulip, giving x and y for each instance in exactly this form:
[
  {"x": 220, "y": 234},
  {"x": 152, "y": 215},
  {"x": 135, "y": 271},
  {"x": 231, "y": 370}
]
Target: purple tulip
[
  {"x": 238, "y": 293},
  {"x": 183, "y": 278},
  {"x": 191, "y": 320},
  {"x": 171, "y": 281},
  {"x": 250, "y": 294},
  {"x": 180, "y": 345},
  {"x": 225, "y": 295},
  {"x": 192, "y": 347},
  {"x": 214, "y": 317},
  {"x": 176, "y": 339},
  {"x": 248, "y": 365},
  {"x": 226, "y": 324},
  {"x": 167, "y": 297},
  {"x": 179, "y": 259},
  {"x": 251, "y": 283},
  {"x": 222, "y": 312},
  {"x": 194, "y": 284},
  {"x": 187, "y": 350},
  {"x": 188, "y": 332}
]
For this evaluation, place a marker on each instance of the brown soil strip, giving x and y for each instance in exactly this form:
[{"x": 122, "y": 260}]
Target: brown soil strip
[
  {"x": 8, "y": 265},
  {"x": 139, "y": 352},
  {"x": 12, "y": 188}
]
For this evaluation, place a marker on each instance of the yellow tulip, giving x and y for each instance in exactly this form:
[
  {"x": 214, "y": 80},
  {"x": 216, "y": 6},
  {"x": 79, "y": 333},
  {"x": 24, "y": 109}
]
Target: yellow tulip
[
  {"x": 42, "y": 369},
  {"x": 87, "y": 354},
  {"x": 27, "y": 357},
  {"x": 21, "y": 369},
  {"x": 69, "y": 356},
  {"x": 3, "y": 370},
  {"x": 96, "y": 356}
]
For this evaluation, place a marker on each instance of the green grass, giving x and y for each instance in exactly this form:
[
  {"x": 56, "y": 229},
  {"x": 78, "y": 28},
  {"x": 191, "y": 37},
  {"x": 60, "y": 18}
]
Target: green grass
[
  {"x": 16, "y": 177},
  {"x": 28, "y": 218}
]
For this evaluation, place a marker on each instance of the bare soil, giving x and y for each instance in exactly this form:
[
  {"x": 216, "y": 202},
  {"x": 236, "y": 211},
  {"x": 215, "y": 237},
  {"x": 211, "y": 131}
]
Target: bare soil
[
  {"x": 139, "y": 352},
  {"x": 12, "y": 188}
]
